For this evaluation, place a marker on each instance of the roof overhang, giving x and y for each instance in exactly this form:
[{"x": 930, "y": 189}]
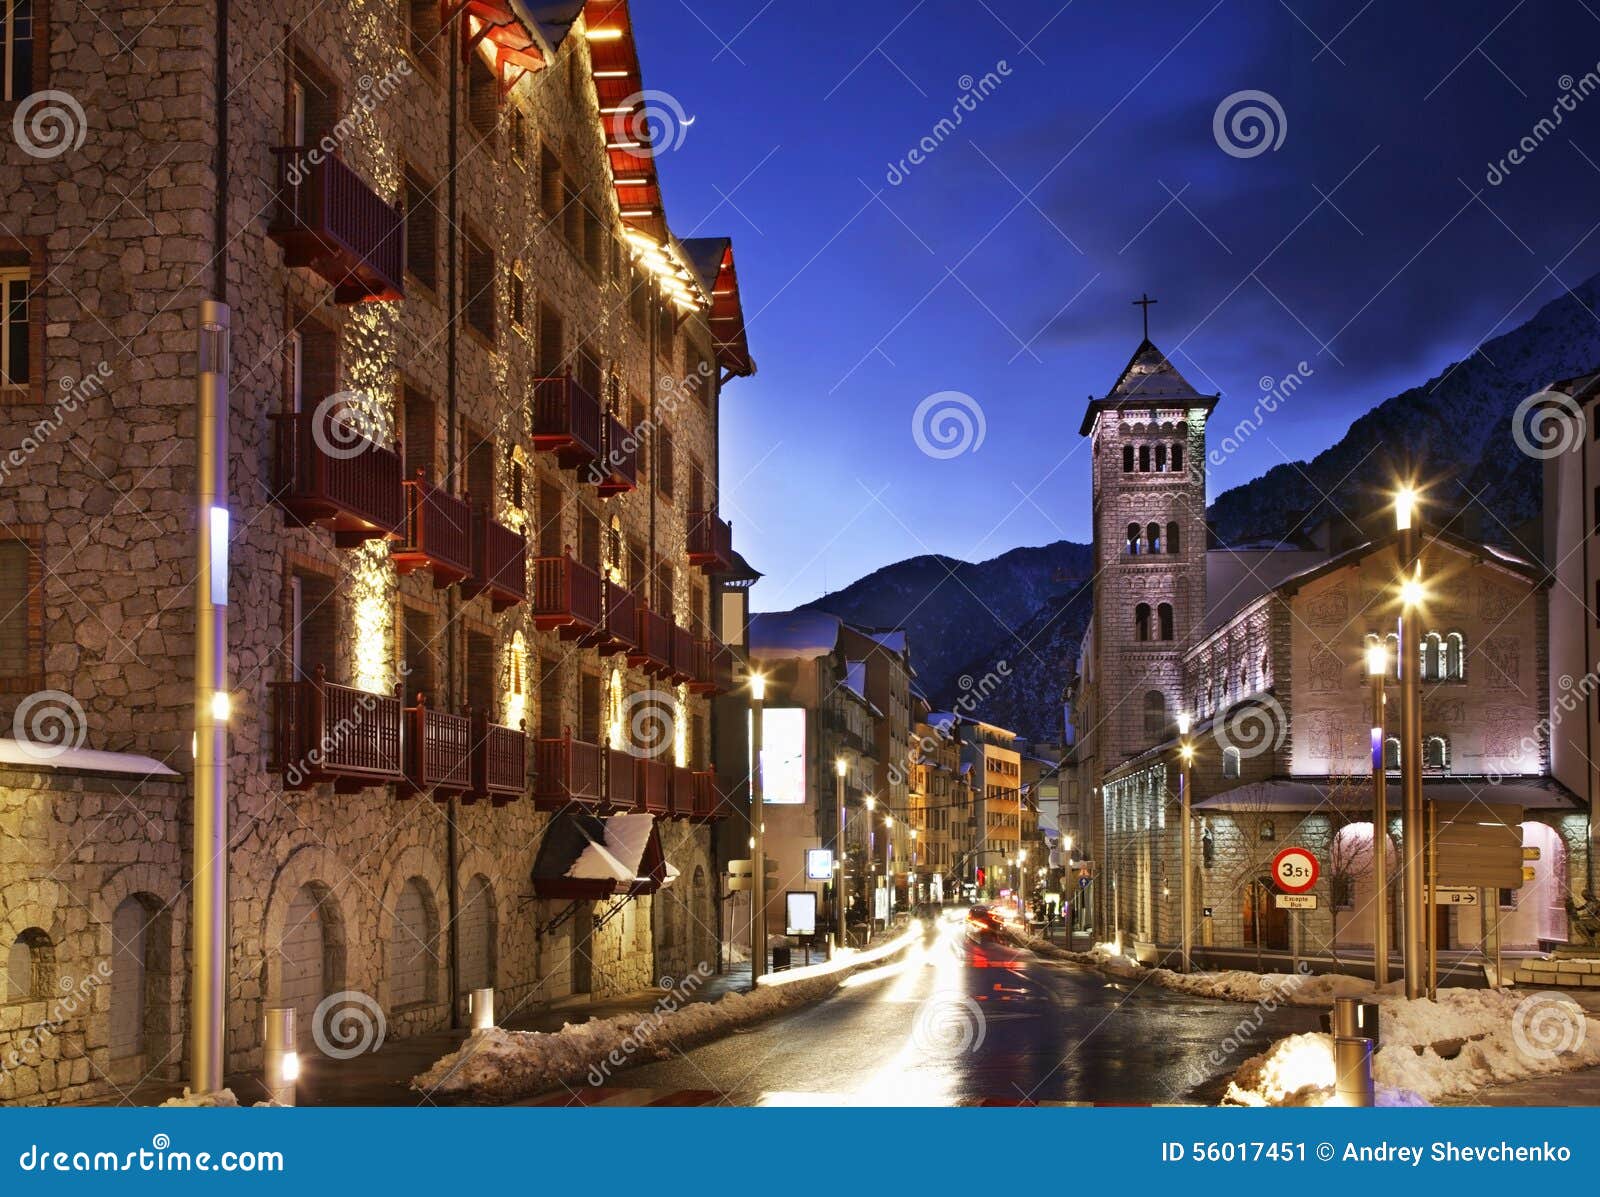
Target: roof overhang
[{"x": 587, "y": 857}]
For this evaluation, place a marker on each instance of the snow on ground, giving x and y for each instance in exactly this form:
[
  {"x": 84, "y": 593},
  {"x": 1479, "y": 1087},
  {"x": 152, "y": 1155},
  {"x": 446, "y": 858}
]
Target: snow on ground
[
  {"x": 1430, "y": 1050},
  {"x": 499, "y": 1065},
  {"x": 222, "y": 1097}
]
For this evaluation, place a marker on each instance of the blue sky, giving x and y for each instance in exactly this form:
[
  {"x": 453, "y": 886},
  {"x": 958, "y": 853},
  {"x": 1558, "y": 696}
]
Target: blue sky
[{"x": 1369, "y": 243}]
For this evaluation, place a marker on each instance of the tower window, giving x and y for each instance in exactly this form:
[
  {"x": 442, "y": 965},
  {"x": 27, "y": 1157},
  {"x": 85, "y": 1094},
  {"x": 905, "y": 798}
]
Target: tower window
[
  {"x": 1155, "y": 714},
  {"x": 1133, "y": 540},
  {"x": 1154, "y": 540},
  {"x": 1141, "y": 621},
  {"x": 1172, "y": 536},
  {"x": 1144, "y": 459},
  {"x": 1455, "y": 657},
  {"x": 1164, "y": 614},
  {"x": 1161, "y": 457},
  {"x": 1435, "y": 753},
  {"x": 1127, "y": 459},
  {"x": 1391, "y": 753},
  {"x": 1230, "y": 762},
  {"x": 1177, "y": 457}
]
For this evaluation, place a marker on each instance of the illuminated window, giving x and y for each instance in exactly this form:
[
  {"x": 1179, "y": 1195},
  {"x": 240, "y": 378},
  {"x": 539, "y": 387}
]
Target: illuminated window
[{"x": 1230, "y": 762}]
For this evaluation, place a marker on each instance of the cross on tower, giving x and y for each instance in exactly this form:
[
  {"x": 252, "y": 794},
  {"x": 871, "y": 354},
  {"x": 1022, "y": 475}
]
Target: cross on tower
[{"x": 1144, "y": 301}]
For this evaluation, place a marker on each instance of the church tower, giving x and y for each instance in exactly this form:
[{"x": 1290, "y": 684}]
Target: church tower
[{"x": 1148, "y": 435}]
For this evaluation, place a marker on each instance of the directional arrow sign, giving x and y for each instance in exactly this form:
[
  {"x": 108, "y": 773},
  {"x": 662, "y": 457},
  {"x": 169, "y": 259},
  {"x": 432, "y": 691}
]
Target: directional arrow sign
[{"x": 1455, "y": 896}]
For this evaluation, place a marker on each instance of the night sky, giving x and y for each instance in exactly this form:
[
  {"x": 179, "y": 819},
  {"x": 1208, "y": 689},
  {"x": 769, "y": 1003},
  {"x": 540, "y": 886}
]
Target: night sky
[{"x": 1370, "y": 244}]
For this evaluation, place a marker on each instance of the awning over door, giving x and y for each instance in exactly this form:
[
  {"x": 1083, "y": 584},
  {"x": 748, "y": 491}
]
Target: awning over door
[{"x": 587, "y": 857}]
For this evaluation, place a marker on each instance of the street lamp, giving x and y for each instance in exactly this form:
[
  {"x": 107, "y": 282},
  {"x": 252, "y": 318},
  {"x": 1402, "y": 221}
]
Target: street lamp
[
  {"x": 840, "y": 767},
  {"x": 758, "y": 859},
  {"x": 1410, "y": 640},
  {"x": 1186, "y": 842},
  {"x": 871, "y": 835},
  {"x": 1022, "y": 885},
  {"x": 1377, "y": 670},
  {"x": 888, "y": 874}
]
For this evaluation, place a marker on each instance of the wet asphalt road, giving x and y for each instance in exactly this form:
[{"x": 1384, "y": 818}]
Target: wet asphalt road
[{"x": 958, "y": 1023}]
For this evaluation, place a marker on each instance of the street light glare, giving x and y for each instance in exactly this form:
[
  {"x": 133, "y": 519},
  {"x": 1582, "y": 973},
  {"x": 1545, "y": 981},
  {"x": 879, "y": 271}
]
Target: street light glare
[
  {"x": 758, "y": 686},
  {"x": 840, "y": 765},
  {"x": 1405, "y": 503},
  {"x": 1377, "y": 659},
  {"x": 1183, "y": 723},
  {"x": 1411, "y": 592}
]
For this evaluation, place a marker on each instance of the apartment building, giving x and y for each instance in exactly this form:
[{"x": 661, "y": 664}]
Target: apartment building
[{"x": 476, "y": 560}]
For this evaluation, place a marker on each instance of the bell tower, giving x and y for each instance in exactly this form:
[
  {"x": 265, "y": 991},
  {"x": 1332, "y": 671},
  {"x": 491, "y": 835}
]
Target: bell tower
[{"x": 1148, "y": 437}]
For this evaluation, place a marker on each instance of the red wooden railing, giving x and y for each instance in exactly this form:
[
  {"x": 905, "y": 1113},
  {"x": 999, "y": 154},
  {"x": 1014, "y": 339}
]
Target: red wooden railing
[
  {"x": 566, "y": 596},
  {"x": 566, "y": 421},
  {"x": 652, "y": 786},
  {"x": 323, "y": 732},
  {"x": 653, "y": 652},
  {"x": 438, "y": 751},
  {"x": 683, "y": 654},
  {"x": 328, "y": 473},
  {"x": 710, "y": 541},
  {"x": 707, "y": 798},
  {"x": 621, "y": 629},
  {"x": 329, "y": 219},
  {"x": 617, "y": 471},
  {"x": 438, "y": 534},
  {"x": 701, "y": 680},
  {"x": 499, "y": 761},
  {"x": 566, "y": 770},
  {"x": 621, "y": 780},
  {"x": 682, "y": 792},
  {"x": 499, "y": 561}
]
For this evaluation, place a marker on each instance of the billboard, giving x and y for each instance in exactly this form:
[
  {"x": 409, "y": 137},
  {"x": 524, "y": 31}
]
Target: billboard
[
  {"x": 819, "y": 864},
  {"x": 783, "y": 756},
  {"x": 800, "y": 913}
]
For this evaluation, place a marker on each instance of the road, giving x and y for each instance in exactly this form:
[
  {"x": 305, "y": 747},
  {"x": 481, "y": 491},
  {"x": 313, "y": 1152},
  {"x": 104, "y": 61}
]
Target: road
[{"x": 952, "y": 1023}]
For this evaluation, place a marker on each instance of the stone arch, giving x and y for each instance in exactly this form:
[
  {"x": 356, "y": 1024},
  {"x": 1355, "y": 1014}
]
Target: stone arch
[
  {"x": 477, "y": 927},
  {"x": 158, "y": 980},
  {"x": 341, "y": 915},
  {"x": 413, "y": 863}
]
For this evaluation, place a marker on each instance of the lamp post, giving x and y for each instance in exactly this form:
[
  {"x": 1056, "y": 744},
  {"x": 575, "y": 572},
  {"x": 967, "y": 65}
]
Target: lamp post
[
  {"x": 911, "y": 877},
  {"x": 1070, "y": 903},
  {"x": 1186, "y": 847},
  {"x": 1410, "y": 737},
  {"x": 868, "y": 864},
  {"x": 888, "y": 873},
  {"x": 758, "y": 858},
  {"x": 840, "y": 767},
  {"x": 1377, "y": 670},
  {"x": 1022, "y": 885}
]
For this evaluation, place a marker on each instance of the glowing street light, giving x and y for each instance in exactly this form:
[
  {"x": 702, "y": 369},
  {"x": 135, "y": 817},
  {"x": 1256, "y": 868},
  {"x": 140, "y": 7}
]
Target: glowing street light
[
  {"x": 758, "y": 861},
  {"x": 840, "y": 768},
  {"x": 1186, "y": 845},
  {"x": 1410, "y": 661},
  {"x": 1377, "y": 671}
]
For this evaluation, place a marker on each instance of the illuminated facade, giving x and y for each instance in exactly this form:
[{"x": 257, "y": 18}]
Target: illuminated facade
[{"x": 477, "y": 557}]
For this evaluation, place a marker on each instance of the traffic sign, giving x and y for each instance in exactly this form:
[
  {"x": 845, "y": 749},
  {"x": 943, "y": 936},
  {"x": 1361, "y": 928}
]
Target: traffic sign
[
  {"x": 1455, "y": 895},
  {"x": 1295, "y": 870},
  {"x": 1530, "y": 852},
  {"x": 1528, "y": 873},
  {"x": 1296, "y": 901}
]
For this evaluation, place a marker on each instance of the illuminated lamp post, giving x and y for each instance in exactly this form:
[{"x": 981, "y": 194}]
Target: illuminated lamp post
[
  {"x": 868, "y": 865},
  {"x": 758, "y": 860},
  {"x": 840, "y": 767},
  {"x": 888, "y": 875},
  {"x": 1410, "y": 652},
  {"x": 1186, "y": 846},
  {"x": 1377, "y": 671}
]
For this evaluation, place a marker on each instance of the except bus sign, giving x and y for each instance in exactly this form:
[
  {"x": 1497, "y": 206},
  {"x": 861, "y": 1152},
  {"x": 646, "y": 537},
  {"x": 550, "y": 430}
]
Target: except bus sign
[{"x": 1295, "y": 870}]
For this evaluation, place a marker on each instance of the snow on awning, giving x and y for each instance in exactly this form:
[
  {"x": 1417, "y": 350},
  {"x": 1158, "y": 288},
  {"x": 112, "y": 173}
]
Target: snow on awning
[
  {"x": 85, "y": 760},
  {"x": 585, "y": 857}
]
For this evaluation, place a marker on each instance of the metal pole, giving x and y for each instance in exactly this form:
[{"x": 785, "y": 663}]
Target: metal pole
[
  {"x": 888, "y": 877},
  {"x": 1380, "y": 833},
  {"x": 1352, "y": 1061},
  {"x": 280, "y": 1064},
  {"x": 1432, "y": 923},
  {"x": 1186, "y": 858},
  {"x": 209, "y": 939},
  {"x": 839, "y": 887},
  {"x": 758, "y": 859},
  {"x": 1411, "y": 829}
]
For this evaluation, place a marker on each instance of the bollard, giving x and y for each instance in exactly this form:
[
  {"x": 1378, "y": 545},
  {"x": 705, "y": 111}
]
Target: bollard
[
  {"x": 281, "y": 1065},
  {"x": 480, "y": 1004},
  {"x": 1346, "y": 1018},
  {"x": 1352, "y": 1065}
]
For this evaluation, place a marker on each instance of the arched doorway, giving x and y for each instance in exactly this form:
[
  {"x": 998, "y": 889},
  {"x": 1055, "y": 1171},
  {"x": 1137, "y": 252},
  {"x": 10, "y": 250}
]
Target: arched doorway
[
  {"x": 414, "y": 950},
  {"x": 310, "y": 958},
  {"x": 141, "y": 987},
  {"x": 477, "y": 932},
  {"x": 1265, "y": 925}
]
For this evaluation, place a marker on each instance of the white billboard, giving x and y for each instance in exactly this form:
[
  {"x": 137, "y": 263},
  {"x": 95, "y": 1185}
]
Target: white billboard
[{"x": 783, "y": 756}]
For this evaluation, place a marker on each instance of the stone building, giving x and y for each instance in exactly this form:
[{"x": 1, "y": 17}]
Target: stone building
[
  {"x": 476, "y": 555},
  {"x": 1269, "y": 667}
]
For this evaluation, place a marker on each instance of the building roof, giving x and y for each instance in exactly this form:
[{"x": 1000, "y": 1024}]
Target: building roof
[
  {"x": 855, "y": 677},
  {"x": 26, "y": 755},
  {"x": 806, "y": 635},
  {"x": 712, "y": 260},
  {"x": 1148, "y": 380}
]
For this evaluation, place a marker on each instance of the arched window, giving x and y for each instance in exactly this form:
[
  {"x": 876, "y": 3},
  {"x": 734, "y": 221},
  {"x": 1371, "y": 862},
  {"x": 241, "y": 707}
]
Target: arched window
[
  {"x": 1141, "y": 622},
  {"x": 414, "y": 951},
  {"x": 1155, "y": 715},
  {"x": 1432, "y": 657},
  {"x": 1230, "y": 762},
  {"x": 1269, "y": 829},
  {"x": 30, "y": 967},
  {"x": 1265, "y": 678},
  {"x": 1161, "y": 457},
  {"x": 1164, "y": 618},
  {"x": 1392, "y": 643},
  {"x": 1435, "y": 753},
  {"x": 1133, "y": 540},
  {"x": 1127, "y": 459},
  {"x": 1153, "y": 538},
  {"x": 1144, "y": 459},
  {"x": 1177, "y": 457},
  {"x": 1172, "y": 536},
  {"x": 1455, "y": 657},
  {"x": 1391, "y": 753}
]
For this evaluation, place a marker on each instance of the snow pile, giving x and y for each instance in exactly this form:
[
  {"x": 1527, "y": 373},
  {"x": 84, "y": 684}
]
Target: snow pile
[
  {"x": 191, "y": 1100},
  {"x": 1430, "y": 1050}
]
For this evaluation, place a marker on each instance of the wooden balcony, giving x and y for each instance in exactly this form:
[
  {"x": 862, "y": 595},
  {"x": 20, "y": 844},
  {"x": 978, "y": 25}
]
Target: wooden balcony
[
  {"x": 683, "y": 655},
  {"x": 652, "y": 786},
  {"x": 710, "y": 542},
  {"x": 438, "y": 534},
  {"x": 622, "y": 777},
  {"x": 565, "y": 771},
  {"x": 713, "y": 667},
  {"x": 438, "y": 752},
  {"x": 566, "y": 421},
  {"x": 330, "y": 475},
  {"x": 653, "y": 652},
  {"x": 708, "y": 803},
  {"x": 338, "y": 734},
  {"x": 566, "y": 597},
  {"x": 499, "y": 761},
  {"x": 617, "y": 471},
  {"x": 499, "y": 562},
  {"x": 682, "y": 792},
  {"x": 619, "y": 630},
  {"x": 328, "y": 219}
]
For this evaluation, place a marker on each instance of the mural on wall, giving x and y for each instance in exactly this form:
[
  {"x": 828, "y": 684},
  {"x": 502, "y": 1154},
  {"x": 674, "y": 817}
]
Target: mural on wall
[
  {"x": 1494, "y": 603},
  {"x": 1503, "y": 740},
  {"x": 1438, "y": 712},
  {"x": 1327, "y": 671},
  {"x": 1502, "y": 656},
  {"x": 1331, "y": 607}
]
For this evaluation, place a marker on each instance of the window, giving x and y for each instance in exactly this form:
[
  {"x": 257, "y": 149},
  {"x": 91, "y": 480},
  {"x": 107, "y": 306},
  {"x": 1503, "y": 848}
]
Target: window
[
  {"x": 1432, "y": 657},
  {"x": 1154, "y": 538},
  {"x": 17, "y": 39},
  {"x": 518, "y": 134},
  {"x": 1435, "y": 753},
  {"x": 1141, "y": 622},
  {"x": 313, "y": 617},
  {"x": 483, "y": 97},
  {"x": 1269, "y": 829},
  {"x": 639, "y": 302},
  {"x": 1172, "y": 536},
  {"x": 518, "y": 485},
  {"x": 1230, "y": 762},
  {"x": 1164, "y": 618},
  {"x": 571, "y": 214},
  {"x": 480, "y": 288},
  {"x": 1391, "y": 753},
  {"x": 664, "y": 463},
  {"x": 550, "y": 192},
  {"x": 480, "y": 672},
  {"x": 419, "y": 432},
  {"x": 1177, "y": 458},
  {"x": 1455, "y": 657},
  {"x": 550, "y": 539},
  {"x": 1161, "y": 457},
  {"x": 420, "y": 666},
  {"x": 551, "y": 363},
  {"x": 1133, "y": 540},
  {"x": 16, "y": 325},
  {"x": 313, "y": 102},
  {"x": 21, "y": 615},
  {"x": 588, "y": 538},
  {"x": 1144, "y": 459},
  {"x": 313, "y": 364},
  {"x": 1155, "y": 714},
  {"x": 589, "y": 708},
  {"x": 596, "y": 242},
  {"x": 1127, "y": 459},
  {"x": 422, "y": 232},
  {"x": 30, "y": 967},
  {"x": 550, "y": 726},
  {"x": 519, "y": 297},
  {"x": 422, "y": 29},
  {"x": 480, "y": 468}
]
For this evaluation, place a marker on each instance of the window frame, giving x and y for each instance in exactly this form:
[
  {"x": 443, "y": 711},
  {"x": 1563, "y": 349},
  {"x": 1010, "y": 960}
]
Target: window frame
[
  {"x": 32, "y": 677},
  {"x": 39, "y": 57},
  {"x": 28, "y": 264}
]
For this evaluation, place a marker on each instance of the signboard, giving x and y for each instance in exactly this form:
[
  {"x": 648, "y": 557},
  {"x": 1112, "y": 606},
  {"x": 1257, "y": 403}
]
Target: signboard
[
  {"x": 1296, "y": 901},
  {"x": 740, "y": 878},
  {"x": 880, "y": 903},
  {"x": 1530, "y": 852},
  {"x": 1455, "y": 895},
  {"x": 1478, "y": 844},
  {"x": 783, "y": 756},
  {"x": 1205, "y": 912},
  {"x": 1528, "y": 873},
  {"x": 800, "y": 912},
  {"x": 819, "y": 864},
  {"x": 1295, "y": 870}
]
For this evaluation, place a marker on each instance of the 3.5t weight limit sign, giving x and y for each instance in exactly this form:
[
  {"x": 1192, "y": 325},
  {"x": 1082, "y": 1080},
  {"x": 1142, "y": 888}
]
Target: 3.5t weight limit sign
[{"x": 1295, "y": 870}]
